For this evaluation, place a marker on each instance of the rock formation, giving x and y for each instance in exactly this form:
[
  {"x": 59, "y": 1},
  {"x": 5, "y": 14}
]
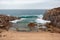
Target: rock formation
[
  {"x": 4, "y": 21},
  {"x": 31, "y": 26},
  {"x": 53, "y": 15}
]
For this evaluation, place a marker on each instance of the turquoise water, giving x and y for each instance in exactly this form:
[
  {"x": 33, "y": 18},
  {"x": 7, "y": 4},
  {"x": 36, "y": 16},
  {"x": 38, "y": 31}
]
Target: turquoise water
[
  {"x": 25, "y": 22},
  {"x": 29, "y": 15}
]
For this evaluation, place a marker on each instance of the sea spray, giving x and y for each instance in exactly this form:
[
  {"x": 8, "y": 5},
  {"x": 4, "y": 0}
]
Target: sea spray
[
  {"x": 18, "y": 20},
  {"x": 41, "y": 21}
]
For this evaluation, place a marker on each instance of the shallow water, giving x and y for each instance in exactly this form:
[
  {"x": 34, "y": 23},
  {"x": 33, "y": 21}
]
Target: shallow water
[
  {"x": 29, "y": 15},
  {"x": 23, "y": 24}
]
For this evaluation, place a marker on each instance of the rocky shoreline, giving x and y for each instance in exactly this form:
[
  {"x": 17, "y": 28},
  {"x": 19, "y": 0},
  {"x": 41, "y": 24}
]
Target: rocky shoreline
[
  {"x": 4, "y": 21},
  {"x": 54, "y": 16}
]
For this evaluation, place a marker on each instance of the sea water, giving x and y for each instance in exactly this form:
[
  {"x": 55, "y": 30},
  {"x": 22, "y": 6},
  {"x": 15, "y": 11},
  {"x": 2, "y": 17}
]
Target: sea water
[{"x": 29, "y": 15}]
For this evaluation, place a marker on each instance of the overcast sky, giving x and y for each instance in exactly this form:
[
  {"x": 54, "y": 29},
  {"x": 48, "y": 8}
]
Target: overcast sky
[{"x": 29, "y": 4}]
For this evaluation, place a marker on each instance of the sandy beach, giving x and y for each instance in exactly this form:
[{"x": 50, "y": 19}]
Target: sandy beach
[{"x": 14, "y": 35}]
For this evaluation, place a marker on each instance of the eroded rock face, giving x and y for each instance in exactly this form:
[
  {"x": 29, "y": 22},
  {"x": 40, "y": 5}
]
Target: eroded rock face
[
  {"x": 4, "y": 21},
  {"x": 54, "y": 16}
]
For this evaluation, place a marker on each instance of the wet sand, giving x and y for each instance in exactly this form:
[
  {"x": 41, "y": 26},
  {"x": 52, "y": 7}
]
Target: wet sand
[{"x": 13, "y": 35}]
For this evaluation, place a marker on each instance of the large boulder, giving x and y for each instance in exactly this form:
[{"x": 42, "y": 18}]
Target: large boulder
[{"x": 53, "y": 15}]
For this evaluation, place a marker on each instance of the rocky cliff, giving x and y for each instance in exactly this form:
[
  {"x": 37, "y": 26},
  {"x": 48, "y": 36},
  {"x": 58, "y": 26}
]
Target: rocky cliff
[
  {"x": 54, "y": 16},
  {"x": 4, "y": 21}
]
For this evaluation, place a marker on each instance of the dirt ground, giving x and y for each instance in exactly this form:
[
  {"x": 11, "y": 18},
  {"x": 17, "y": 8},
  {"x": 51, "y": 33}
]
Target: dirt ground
[{"x": 13, "y": 35}]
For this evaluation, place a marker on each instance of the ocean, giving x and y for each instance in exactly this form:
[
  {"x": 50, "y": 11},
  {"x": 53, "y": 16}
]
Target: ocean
[{"x": 29, "y": 15}]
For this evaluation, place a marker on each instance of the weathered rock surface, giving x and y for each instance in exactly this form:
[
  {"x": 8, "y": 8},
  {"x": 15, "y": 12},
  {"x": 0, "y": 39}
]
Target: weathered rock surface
[
  {"x": 54, "y": 16},
  {"x": 4, "y": 21}
]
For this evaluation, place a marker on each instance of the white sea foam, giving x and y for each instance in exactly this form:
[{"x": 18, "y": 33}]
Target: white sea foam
[
  {"x": 40, "y": 16},
  {"x": 8, "y": 15},
  {"x": 41, "y": 21},
  {"x": 18, "y": 20}
]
